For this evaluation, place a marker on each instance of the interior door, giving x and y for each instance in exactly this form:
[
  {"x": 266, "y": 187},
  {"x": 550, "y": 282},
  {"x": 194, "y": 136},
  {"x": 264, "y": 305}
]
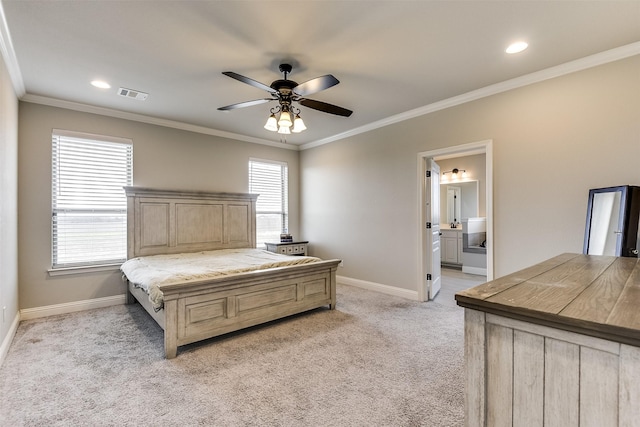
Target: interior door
[{"x": 433, "y": 255}]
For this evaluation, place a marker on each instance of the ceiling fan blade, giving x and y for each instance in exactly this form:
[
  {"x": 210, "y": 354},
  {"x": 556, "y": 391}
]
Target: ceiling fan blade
[
  {"x": 316, "y": 85},
  {"x": 245, "y": 104},
  {"x": 249, "y": 81},
  {"x": 325, "y": 108}
]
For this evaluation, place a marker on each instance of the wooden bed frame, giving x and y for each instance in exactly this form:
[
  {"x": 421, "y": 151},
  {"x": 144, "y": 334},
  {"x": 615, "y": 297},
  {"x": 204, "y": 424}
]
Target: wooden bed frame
[{"x": 168, "y": 222}]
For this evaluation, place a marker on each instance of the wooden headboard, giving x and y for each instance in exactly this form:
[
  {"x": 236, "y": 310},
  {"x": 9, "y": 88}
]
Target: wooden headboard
[{"x": 170, "y": 221}]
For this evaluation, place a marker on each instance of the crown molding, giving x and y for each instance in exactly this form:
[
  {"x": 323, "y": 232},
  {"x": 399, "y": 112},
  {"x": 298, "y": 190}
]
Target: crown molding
[
  {"x": 9, "y": 55},
  {"x": 591, "y": 61},
  {"x": 76, "y": 106}
]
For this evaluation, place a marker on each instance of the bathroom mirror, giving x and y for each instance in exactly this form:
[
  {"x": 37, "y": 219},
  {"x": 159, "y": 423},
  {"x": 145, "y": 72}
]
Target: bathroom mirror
[
  {"x": 612, "y": 221},
  {"x": 458, "y": 200}
]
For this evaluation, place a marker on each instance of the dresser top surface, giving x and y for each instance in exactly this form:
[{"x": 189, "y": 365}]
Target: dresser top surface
[{"x": 593, "y": 295}]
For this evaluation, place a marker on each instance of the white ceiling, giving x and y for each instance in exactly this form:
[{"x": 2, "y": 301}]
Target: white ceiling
[{"x": 391, "y": 57}]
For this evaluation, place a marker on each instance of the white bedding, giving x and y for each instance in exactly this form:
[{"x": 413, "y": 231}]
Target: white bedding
[{"x": 152, "y": 272}]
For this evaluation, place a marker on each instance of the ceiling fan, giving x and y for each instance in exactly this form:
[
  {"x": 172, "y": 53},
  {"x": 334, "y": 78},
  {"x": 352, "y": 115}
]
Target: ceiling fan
[{"x": 287, "y": 91}]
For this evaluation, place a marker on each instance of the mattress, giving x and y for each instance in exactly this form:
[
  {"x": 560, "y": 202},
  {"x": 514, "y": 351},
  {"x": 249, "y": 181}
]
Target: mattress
[{"x": 152, "y": 272}]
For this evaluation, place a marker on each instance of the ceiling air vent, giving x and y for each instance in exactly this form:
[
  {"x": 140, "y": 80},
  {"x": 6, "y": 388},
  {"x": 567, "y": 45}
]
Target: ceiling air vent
[{"x": 130, "y": 93}]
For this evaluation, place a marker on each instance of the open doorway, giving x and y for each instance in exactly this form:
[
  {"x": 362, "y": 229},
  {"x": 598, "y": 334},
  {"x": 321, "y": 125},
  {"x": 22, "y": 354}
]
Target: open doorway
[{"x": 427, "y": 265}]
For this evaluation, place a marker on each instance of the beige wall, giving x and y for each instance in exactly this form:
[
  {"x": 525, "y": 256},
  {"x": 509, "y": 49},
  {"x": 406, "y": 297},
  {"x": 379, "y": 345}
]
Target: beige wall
[
  {"x": 8, "y": 204},
  {"x": 552, "y": 142},
  {"x": 162, "y": 158}
]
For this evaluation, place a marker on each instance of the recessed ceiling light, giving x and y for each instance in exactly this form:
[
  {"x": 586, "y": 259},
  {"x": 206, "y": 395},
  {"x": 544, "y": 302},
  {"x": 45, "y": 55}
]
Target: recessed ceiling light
[
  {"x": 517, "y": 47},
  {"x": 101, "y": 84}
]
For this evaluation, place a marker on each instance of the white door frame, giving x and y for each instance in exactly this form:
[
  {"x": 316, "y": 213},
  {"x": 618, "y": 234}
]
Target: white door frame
[
  {"x": 481, "y": 147},
  {"x": 433, "y": 243}
]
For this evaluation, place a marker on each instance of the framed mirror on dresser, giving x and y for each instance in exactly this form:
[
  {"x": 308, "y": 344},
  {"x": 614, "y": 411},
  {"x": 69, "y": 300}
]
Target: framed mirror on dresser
[{"x": 613, "y": 217}]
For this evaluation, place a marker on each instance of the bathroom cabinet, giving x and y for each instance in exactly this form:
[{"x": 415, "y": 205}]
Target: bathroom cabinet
[{"x": 451, "y": 243}]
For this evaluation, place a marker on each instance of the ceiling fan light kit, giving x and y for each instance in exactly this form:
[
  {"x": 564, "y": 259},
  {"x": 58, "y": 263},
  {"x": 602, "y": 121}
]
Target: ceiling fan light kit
[
  {"x": 286, "y": 92},
  {"x": 285, "y": 119},
  {"x": 298, "y": 124},
  {"x": 272, "y": 123}
]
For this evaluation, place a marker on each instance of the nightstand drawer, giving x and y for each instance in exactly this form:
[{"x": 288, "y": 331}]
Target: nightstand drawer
[
  {"x": 292, "y": 248},
  {"x": 296, "y": 249}
]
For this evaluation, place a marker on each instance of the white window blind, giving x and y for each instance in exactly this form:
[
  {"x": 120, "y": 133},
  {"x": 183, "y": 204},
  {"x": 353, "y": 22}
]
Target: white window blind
[
  {"x": 271, "y": 181},
  {"x": 89, "y": 206}
]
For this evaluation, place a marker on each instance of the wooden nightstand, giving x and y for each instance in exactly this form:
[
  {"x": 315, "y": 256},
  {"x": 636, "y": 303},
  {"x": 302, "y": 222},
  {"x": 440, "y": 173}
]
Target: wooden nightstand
[{"x": 288, "y": 248}]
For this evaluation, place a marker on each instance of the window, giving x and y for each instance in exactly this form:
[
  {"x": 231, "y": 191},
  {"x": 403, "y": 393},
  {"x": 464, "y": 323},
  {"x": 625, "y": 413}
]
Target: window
[
  {"x": 89, "y": 206},
  {"x": 271, "y": 181}
]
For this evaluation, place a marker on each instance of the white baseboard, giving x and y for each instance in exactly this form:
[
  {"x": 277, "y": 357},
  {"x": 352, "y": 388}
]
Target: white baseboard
[
  {"x": 474, "y": 270},
  {"x": 377, "y": 287},
  {"x": 70, "y": 307},
  {"x": 6, "y": 343}
]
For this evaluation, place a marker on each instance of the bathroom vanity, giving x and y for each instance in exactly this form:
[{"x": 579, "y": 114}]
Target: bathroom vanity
[
  {"x": 451, "y": 245},
  {"x": 555, "y": 344}
]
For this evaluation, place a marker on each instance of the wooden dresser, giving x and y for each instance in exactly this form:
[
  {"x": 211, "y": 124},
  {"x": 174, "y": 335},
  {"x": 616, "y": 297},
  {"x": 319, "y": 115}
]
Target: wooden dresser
[{"x": 555, "y": 344}]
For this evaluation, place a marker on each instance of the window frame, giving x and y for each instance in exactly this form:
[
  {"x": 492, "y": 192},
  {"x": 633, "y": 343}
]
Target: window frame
[
  {"x": 284, "y": 197},
  {"x": 119, "y": 208}
]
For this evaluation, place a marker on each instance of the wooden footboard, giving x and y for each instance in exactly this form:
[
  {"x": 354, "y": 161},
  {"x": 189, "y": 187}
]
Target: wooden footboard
[{"x": 199, "y": 310}]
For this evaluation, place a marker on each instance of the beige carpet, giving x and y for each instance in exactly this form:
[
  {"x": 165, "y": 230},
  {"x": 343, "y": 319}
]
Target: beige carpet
[{"x": 376, "y": 360}]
